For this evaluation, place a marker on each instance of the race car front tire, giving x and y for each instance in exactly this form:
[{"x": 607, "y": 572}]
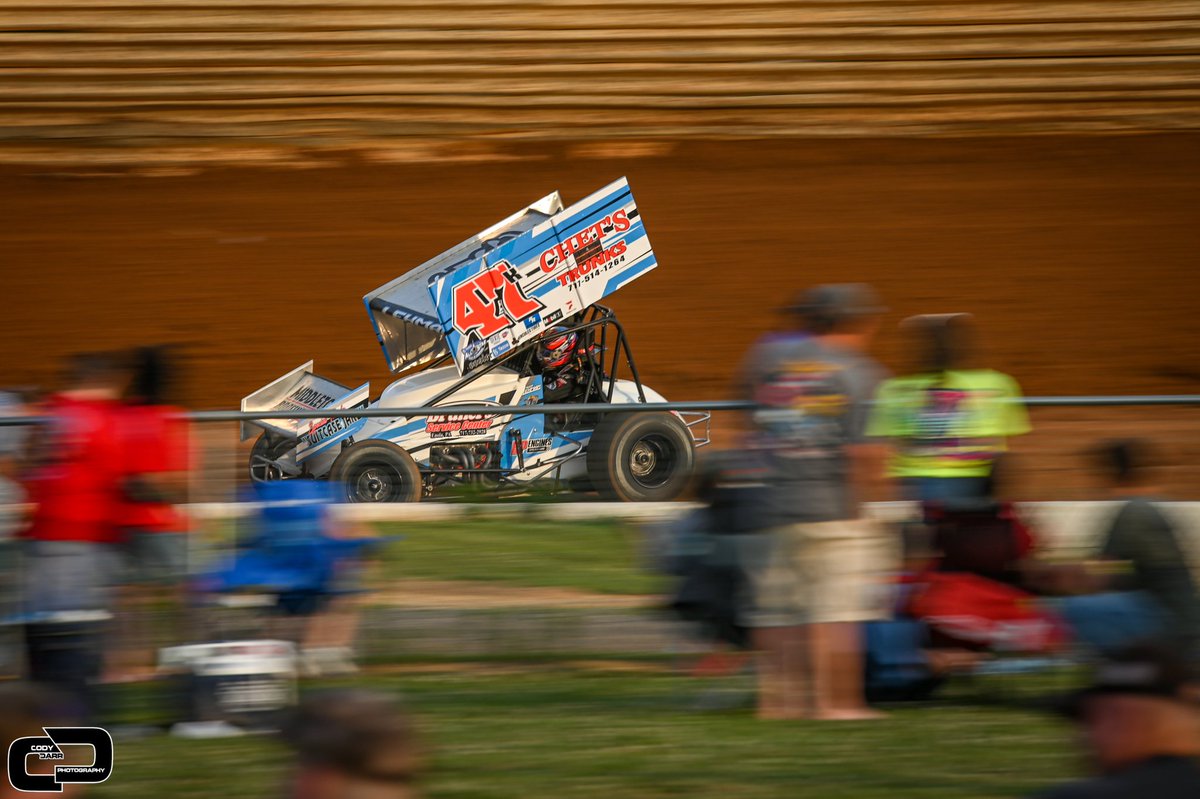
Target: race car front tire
[
  {"x": 376, "y": 471},
  {"x": 641, "y": 457}
]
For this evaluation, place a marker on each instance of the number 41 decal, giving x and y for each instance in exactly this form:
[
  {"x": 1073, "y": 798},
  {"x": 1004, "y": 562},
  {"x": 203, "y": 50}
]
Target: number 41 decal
[{"x": 491, "y": 301}]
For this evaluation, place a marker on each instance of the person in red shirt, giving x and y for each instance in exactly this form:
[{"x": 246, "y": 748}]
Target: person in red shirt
[
  {"x": 70, "y": 553},
  {"x": 153, "y": 438},
  {"x": 73, "y": 475}
]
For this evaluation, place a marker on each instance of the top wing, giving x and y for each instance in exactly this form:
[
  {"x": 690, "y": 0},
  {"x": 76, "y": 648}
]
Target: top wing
[
  {"x": 559, "y": 266},
  {"x": 402, "y": 311}
]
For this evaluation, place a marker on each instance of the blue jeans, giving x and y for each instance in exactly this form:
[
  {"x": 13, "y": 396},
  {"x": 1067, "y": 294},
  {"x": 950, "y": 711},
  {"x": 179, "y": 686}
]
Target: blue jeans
[
  {"x": 896, "y": 667},
  {"x": 941, "y": 489},
  {"x": 1112, "y": 620}
]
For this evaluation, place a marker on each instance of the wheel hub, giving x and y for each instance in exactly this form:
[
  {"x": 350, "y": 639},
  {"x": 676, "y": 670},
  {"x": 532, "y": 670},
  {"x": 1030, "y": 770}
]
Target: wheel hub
[
  {"x": 374, "y": 485},
  {"x": 642, "y": 459}
]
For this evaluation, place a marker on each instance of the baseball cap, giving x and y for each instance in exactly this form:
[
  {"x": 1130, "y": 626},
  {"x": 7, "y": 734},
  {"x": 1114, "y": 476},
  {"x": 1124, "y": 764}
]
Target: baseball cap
[
  {"x": 838, "y": 301},
  {"x": 1142, "y": 670}
]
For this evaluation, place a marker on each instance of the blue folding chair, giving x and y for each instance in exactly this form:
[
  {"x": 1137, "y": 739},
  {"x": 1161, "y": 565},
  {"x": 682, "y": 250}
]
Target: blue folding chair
[{"x": 290, "y": 553}]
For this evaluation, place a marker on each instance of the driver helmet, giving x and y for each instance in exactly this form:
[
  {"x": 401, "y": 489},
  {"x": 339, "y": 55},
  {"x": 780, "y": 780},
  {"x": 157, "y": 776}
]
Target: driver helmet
[{"x": 556, "y": 347}]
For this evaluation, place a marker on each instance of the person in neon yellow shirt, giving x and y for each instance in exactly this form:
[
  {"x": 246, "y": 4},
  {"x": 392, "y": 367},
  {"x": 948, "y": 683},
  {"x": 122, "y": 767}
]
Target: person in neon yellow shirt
[{"x": 948, "y": 422}]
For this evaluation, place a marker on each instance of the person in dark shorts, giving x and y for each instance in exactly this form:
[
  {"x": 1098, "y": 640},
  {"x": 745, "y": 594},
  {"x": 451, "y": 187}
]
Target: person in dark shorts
[
  {"x": 1141, "y": 723},
  {"x": 713, "y": 550},
  {"x": 71, "y": 543}
]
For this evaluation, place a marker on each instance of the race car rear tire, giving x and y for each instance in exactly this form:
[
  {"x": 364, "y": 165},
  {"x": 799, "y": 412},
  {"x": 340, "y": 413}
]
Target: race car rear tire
[
  {"x": 376, "y": 471},
  {"x": 641, "y": 457}
]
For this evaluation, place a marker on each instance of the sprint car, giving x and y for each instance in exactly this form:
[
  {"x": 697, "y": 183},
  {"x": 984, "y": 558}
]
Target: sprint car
[{"x": 510, "y": 319}]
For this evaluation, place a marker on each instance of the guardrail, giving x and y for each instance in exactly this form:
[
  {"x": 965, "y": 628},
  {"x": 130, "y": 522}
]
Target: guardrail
[
  {"x": 1134, "y": 399},
  {"x": 634, "y": 407}
]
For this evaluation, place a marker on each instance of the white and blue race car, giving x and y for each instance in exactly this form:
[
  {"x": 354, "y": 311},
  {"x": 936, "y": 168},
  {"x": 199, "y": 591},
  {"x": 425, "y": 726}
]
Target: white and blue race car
[{"x": 509, "y": 318}]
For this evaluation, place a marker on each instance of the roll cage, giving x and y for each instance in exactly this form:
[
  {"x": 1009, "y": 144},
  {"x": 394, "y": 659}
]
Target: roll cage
[
  {"x": 599, "y": 326},
  {"x": 596, "y": 325}
]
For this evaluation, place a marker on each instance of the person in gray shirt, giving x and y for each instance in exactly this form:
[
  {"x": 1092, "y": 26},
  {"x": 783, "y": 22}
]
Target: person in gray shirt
[{"x": 815, "y": 587}]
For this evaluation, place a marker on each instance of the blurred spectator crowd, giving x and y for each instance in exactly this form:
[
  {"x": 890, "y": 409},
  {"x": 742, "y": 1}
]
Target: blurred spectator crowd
[
  {"x": 793, "y": 568},
  {"x": 840, "y": 611},
  {"x": 781, "y": 566}
]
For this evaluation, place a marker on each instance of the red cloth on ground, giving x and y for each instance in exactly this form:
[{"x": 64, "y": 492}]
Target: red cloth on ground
[
  {"x": 75, "y": 482},
  {"x": 974, "y": 611},
  {"x": 153, "y": 440}
]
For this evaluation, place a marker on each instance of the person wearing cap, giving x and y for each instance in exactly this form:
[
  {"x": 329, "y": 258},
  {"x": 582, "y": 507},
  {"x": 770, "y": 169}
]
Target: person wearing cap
[
  {"x": 1140, "y": 720},
  {"x": 948, "y": 422},
  {"x": 813, "y": 588},
  {"x": 352, "y": 743}
]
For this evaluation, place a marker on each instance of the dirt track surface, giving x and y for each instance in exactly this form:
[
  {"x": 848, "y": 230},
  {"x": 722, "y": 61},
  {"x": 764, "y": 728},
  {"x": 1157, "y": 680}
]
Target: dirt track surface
[{"x": 1076, "y": 254}]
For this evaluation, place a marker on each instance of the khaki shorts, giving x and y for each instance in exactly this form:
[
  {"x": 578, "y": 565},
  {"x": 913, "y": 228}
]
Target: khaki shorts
[{"x": 822, "y": 572}]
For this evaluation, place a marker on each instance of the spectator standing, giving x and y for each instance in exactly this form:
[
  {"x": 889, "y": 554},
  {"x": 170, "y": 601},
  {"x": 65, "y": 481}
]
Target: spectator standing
[
  {"x": 155, "y": 447},
  {"x": 13, "y": 517},
  {"x": 815, "y": 587},
  {"x": 1141, "y": 724},
  {"x": 154, "y": 441},
  {"x": 712, "y": 550},
  {"x": 12, "y": 450},
  {"x": 948, "y": 422},
  {"x": 70, "y": 554}
]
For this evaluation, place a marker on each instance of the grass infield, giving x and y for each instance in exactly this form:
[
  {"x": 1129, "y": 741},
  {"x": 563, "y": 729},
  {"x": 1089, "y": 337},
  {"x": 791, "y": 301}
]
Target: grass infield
[
  {"x": 557, "y": 730},
  {"x": 601, "y": 556},
  {"x": 605, "y": 728}
]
